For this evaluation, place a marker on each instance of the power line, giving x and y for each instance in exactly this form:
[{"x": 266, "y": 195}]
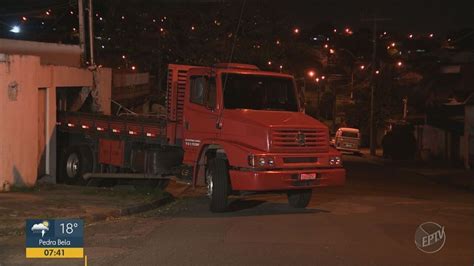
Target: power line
[
  {"x": 237, "y": 31},
  {"x": 235, "y": 39}
]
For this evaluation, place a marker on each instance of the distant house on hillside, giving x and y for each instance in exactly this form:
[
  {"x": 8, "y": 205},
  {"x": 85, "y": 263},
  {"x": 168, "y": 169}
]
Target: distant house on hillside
[{"x": 448, "y": 131}]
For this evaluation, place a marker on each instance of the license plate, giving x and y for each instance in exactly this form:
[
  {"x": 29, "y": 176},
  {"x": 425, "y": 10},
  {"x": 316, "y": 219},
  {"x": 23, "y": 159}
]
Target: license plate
[
  {"x": 348, "y": 145},
  {"x": 308, "y": 176}
]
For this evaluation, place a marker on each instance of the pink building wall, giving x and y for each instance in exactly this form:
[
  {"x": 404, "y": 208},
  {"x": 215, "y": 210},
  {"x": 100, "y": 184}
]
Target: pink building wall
[{"x": 19, "y": 117}]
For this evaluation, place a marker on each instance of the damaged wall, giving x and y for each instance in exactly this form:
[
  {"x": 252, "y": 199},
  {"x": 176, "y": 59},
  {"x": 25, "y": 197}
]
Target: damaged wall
[{"x": 21, "y": 78}]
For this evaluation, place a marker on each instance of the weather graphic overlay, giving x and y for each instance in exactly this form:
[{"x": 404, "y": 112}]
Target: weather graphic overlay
[{"x": 54, "y": 238}]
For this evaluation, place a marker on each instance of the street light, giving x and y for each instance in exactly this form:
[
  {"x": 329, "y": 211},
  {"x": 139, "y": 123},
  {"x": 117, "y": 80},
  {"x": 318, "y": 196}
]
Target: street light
[
  {"x": 399, "y": 64},
  {"x": 311, "y": 73},
  {"x": 15, "y": 29},
  {"x": 296, "y": 30}
]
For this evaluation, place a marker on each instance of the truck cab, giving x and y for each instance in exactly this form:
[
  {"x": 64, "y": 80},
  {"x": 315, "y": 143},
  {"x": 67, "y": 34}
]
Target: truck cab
[{"x": 244, "y": 129}]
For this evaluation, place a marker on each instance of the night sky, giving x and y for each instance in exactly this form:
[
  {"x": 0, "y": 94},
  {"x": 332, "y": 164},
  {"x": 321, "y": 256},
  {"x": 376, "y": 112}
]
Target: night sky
[{"x": 408, "y": 16}]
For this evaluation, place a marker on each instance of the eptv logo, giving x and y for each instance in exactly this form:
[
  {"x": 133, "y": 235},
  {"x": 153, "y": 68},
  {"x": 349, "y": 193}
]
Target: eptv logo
[{"x": 430, "y": 237}]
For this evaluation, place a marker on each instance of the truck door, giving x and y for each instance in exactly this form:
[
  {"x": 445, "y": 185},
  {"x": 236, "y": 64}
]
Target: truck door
[{"x": 200, "y": 112}]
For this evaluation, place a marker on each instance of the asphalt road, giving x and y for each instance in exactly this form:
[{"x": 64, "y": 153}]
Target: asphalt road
[{"x": 370, "y": 221}]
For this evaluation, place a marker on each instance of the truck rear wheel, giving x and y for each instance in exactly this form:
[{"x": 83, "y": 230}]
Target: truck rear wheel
[
  {"x": 299, "y": 198},
  {"x": 74, "y": 164},
  {"x": 218, "y": 185}
]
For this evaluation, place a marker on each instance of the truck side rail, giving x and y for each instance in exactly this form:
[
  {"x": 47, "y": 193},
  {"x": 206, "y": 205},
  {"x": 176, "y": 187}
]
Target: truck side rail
[{"x": 135, "y": 127}]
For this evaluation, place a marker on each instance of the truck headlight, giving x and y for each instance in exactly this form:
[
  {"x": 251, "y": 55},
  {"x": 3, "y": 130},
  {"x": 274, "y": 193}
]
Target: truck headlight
[
  {"x": 260, "y": 160},
  {"x": 335, "y": 161},
  {"x": 271, "y": 161}
]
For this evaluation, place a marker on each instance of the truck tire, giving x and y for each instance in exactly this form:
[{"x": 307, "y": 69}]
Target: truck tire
[
  {"x": 299, "y": 198},
  {"x": 218, "y": 185},
  {"x": 77, "y": 161}
]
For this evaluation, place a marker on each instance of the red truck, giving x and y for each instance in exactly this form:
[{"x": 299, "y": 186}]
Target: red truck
[{"x": 231, "y": 128}]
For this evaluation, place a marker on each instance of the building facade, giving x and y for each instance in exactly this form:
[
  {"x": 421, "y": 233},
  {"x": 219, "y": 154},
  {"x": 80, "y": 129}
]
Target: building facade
[{"x": 28, "y": 108}]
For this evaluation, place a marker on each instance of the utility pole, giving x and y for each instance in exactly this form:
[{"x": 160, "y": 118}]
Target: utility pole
[
  {"x": 352, "y": 82},
  {"x": 372, "y": 83},
  {"x": 405, "y": 107},
  {"x": 91, "y": 34},
  {"x": 82, "y": 34},
  {"x": 96, "y": 107}
]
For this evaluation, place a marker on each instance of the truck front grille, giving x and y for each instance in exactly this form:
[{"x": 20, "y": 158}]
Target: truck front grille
[
  {"x": 309, "y": 140},
  {"x": 300, "y": 159}
]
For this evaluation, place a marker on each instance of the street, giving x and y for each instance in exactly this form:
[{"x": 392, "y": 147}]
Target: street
[{"x": 370, "y": 221}]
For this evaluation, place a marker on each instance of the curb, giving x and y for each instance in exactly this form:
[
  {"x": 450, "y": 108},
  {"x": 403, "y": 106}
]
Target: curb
[
  {"x": 128, "y": 210},
  {"x": 97, "y": 217}
]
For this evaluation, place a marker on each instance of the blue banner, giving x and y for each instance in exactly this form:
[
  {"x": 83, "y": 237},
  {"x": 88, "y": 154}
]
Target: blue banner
[{"x": 54, "y": 233}]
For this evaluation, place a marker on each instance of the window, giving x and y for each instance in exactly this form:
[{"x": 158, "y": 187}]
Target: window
[
  {"x": 198, "y": 85},
  {"x": 350, "y": 134},
  {"x": 259, "y": 93},
  {"x": 203, "y": 91}
]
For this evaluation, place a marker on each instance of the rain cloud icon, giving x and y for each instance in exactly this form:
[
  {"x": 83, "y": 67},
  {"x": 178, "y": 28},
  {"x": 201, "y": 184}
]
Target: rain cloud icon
[{"x": 41, "y": 227}]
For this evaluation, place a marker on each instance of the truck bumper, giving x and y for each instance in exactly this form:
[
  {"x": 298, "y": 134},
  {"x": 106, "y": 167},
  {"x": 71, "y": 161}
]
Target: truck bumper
[{"x": 285, "y": 179}]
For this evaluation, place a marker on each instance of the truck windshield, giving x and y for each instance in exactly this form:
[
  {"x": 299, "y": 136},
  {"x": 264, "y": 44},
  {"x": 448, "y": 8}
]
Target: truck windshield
[{"x": 259, "y": 92}]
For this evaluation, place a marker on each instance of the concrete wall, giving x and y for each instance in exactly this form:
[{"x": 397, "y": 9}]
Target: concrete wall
[
  {"x": 434, "y": 142},
  {"x": 19, "y": 118},
  {"x": 105, "y": 89},
  {"x": 130, "y": 79},
  {"x": 49, "y": 53}
]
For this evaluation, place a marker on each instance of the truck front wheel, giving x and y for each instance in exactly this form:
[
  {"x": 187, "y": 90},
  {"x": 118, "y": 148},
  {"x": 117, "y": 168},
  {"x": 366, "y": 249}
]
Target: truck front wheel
[
  {"x": 218, "y": 186},
  {"x": 299, "y": 198}
]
